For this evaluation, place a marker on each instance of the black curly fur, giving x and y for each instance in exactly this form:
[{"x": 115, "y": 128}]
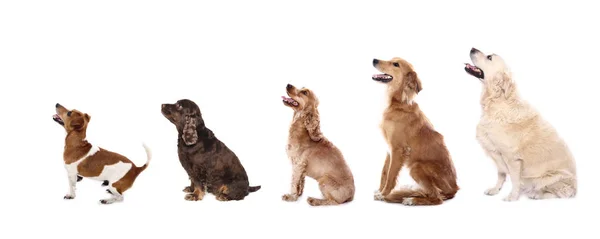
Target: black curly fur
[{"x": 208, "y": 161}]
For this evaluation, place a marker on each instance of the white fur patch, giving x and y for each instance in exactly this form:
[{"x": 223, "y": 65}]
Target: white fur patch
[
  {"x": 408, "y": 201},
  {"x": 72, "y": 167},
  {"x": 113, "y": 173}
]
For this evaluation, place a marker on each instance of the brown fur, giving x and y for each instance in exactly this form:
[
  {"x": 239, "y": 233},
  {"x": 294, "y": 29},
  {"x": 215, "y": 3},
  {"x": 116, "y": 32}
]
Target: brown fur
[
  {"x": 413, "y": 142},
  {"x": 77, "y": 147},
  {"x": 313, "y": 155}
]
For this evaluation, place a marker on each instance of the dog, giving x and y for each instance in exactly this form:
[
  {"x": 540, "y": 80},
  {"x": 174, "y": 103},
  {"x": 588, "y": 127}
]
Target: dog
[
  {"x": 313, "y": 155},
  {"x": 412, "y": 141},
  {"x": 521, "y": 143},
  {"x": 84, "y": 160},
  {"x": 211, "y": 166}
]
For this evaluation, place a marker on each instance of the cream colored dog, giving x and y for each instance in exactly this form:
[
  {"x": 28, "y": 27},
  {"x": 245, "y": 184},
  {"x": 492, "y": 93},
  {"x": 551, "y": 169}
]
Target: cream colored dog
[{"x": 514, "y": 135}]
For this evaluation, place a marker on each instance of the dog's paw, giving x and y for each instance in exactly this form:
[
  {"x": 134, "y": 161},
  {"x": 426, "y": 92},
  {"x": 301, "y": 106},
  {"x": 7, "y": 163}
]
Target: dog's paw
[
  {"x": 408, "y": 201},
  {"x": 192, "y": 197},
  {"x": 105, "y": 201},
  {"x": 511, "y": 197},
  {"x": 378, "y": 196},
  {"x": 69, "y": 196},
  {"x": 492, "y": 191},
  {"x": 222, "y": 198},
  {"x": 290, "y": 197},
  {"x": 188, "y": 189},
  {"x": 313, "y": 201}
]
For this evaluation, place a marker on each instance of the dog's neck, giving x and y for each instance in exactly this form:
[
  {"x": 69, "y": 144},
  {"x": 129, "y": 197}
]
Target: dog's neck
[
  {"x": 76, "y": 145},
  {"x": 401, "y": 102},
  {"x": 76, "y": 139}
]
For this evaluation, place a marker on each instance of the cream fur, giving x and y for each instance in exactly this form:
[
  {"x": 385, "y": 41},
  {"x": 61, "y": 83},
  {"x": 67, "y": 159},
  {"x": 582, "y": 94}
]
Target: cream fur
[{"x": 522, "y": 144}]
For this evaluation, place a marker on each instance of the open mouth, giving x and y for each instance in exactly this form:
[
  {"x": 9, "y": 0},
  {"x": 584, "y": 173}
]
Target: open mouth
[
  {"x": 58, "y": 119},
  {"x": 383, "y": 77},
  {"x": 289, "y": 101},
  {"x": 474, "y": 71}
]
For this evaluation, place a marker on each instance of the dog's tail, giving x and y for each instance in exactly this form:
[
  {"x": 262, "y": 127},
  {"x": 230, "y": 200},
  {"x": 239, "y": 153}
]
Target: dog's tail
[
  {"x": 148, "y": 156},
  {"x": 252, "y": 189}
]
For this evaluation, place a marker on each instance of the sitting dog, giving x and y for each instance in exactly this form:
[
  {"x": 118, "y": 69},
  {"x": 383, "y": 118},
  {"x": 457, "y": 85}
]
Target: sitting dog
[
  {"x": 210, "y": 165},
  {"x": 83, "y": 159},
  {"x": 313, "y": 155},
  {"x": 521, "y": 143},
  {"x": 412, "y": 141}
]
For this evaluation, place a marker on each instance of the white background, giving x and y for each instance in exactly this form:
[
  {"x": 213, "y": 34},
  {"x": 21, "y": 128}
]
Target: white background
[{"x": 119, "y": 60}]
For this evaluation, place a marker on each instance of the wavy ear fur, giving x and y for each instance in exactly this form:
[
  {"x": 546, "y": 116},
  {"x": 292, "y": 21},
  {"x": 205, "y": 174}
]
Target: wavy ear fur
[
  {"x": 190, "y": 135},
  {"x": 313, "y": 125},
  {"x": 413, "y": 81}
]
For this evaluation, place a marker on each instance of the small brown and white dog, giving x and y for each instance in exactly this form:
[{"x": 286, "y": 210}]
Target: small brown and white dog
[
  {"x": 313, "y": 155},
  {"x": 522, "y": 144},
  {"x": 83, "y": 159},
  {"x": 412, "y": 141}
]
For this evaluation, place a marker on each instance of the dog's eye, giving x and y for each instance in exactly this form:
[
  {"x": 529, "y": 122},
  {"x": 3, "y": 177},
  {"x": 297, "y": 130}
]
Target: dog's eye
[
  {"x": 489, "y": 57},
  {"x": 396, "y": 64},
  {"x": 304, "y": 92},
  {"x": 69, "y": 113}
]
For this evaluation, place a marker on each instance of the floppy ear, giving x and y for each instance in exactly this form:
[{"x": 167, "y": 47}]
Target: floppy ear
[
  {"x": 87, "y": 117},
  {"x": 313, "y": 125},
  {"x": 77, "y": 123},
  {"x": 505, "y": 84},
  {"x": 413, "y": 81},
  {"x": 190, "y": 135}
]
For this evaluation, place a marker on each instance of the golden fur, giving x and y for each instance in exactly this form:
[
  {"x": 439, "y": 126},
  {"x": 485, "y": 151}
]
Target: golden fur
[
  {"x": 313, "y": 155},
  {"x": 412, "y": 141},
  {"x": 521, "y": 143}
]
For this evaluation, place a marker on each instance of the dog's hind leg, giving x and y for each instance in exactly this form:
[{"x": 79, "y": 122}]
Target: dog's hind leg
[
  {"x": 116, "y": 196},
  {"x": 333, "y": 193},
  {"x": 430, "y": 194},
  {"x": 560, "y": 187},
  {"x": 398, "y": 196}
]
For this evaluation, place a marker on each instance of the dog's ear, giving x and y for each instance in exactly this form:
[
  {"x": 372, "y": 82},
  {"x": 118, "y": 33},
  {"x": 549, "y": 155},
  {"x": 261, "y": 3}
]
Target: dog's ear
[
  {"x": 412, "y": 79},
  {"x": 190, "y": 135},
  {"x": 504, "y": 82},
  {"x": 312, "y": 124},
  {"x": 87, "y": 117},
  {"x": 77, "y": 123}
]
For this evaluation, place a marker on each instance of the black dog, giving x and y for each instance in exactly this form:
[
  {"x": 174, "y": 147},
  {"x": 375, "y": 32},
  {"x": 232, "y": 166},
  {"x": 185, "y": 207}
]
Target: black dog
[{"x": 211, "y": 166}]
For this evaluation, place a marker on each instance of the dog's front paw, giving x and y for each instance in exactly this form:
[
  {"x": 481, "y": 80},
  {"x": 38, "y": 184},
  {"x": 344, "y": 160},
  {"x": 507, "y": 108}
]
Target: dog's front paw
[
  {"x": 492, "y": 191},
  {"x": 192, "y": 197},
  {"x": 512, "y": 197},
  {"x": 188, "y": 189},
  {"x": 69, "y": 196},
  {"x": 290, "y": 197},
  {"x": 378, "y": 196},
  {"x": 408, "y": 201}
]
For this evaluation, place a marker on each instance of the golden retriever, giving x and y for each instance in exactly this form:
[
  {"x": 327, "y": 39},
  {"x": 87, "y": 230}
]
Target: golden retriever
[
  {"x": 412, "y": 141},
  {"x": 313, "y": 155},
  {"x": 521, "y": 143}
]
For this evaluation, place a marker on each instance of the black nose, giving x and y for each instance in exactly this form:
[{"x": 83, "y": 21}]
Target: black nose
[
  {"x": 289, "y": 86},
  {"x": 375, "y": 61},
  {"x": 473, "y": 50},
  {"x": 57, "y": 105}
]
